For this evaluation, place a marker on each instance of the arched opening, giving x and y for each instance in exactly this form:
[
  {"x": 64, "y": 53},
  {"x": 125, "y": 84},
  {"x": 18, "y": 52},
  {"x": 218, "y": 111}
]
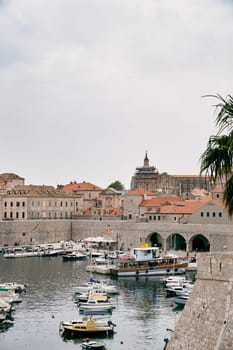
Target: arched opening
[
  {"x": 156, "y": 240},
  {"x": 199, "y": 243},
  {"x": 176, "y": 242}
]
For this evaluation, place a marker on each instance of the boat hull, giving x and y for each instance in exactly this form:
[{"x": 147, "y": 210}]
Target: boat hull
[{"x": 148, "y": 272}]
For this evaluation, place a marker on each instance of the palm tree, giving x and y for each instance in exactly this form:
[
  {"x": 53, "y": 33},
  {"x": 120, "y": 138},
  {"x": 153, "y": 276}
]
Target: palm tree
[{"x": 217, "y": 159}]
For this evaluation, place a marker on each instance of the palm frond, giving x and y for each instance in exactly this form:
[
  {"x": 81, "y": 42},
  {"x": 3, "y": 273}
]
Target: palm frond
[{"x": 228, "y": 196}]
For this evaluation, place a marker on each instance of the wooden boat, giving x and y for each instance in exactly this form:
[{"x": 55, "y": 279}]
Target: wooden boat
[
  {"x": 146, "y": 261},
  {"x": 87, "y": 327}
]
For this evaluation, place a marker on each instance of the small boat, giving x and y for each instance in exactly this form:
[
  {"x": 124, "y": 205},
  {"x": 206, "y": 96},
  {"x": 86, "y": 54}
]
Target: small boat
[
  {"x": 87, "y": 327},
  {"x": 17, "y": 287},
  {"x": 92, "y": 345},
  {"x": 73, "y": 256},
  {"x": 83, "y": 298},
  {"x": 9, "y": 295},
  {"x": 95, "y": 305},
  {"x": 182, "y": 298},
  {"x": 21, "y": 252},
  {"x": 96, "y": 285}
]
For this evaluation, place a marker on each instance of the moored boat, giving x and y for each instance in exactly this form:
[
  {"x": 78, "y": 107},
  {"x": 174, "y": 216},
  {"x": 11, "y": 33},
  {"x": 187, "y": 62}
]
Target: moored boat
[
  {"x": 86, "y": 327},
  {"x": 73, "y": 256},
  {"x": 95, "y": 305},
  {"x": 181, "y": 299},
  {"x": 146, "y": 261},
  {"x": 92, "y": 345}
]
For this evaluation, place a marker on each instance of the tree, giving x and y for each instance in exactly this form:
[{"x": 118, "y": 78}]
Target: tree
[
  {"x": 217, "y": 159},
  {"x": 117, "y": 185}
]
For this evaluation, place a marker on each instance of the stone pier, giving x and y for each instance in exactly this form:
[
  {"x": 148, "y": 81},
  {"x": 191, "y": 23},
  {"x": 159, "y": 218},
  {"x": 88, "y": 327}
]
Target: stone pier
[{"x": 206, "y": 323}]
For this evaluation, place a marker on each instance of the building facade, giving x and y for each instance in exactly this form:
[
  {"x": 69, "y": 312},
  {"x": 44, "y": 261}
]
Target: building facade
[{"x": 148, "y": 178}]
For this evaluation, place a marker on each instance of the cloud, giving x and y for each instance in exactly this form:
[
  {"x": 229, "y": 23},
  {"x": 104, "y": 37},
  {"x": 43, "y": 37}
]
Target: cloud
[{"x": 88, "y": 86}]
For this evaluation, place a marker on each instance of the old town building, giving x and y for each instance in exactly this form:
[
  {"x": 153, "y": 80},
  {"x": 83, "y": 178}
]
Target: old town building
[{"x": 149, "y": 178}]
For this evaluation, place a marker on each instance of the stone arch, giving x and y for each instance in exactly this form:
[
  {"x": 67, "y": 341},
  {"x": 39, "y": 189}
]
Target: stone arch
[
  {"x": 199, "y": 243},
  {"x": 176, "y": 242},
  {"x": 155, "y": 239}
]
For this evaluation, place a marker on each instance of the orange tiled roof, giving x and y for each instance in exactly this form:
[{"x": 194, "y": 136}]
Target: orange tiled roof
[
  {"x": 158, "y": 201},
  {"x": 218, "y": 189},
  {"x": 82, "y": 186},
  {"x": 183, "y": 207}
]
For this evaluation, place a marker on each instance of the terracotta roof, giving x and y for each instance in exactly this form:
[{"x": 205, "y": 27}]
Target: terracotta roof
[
  {"x": 158, "y": 201},
  {"x": 183, "y": 207},
  {"x": 139, "y": 192},
  {"x": 82, "y": 186},
  {"x": 218, "y": 189},
  {"x": 9, "y": 176},
  {"x": 35, "y": 191}
]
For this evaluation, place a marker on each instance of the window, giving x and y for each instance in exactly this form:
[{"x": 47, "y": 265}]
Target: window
[
  {"x": 5, "y": 214},
  {"x": 150, "y": 217},
  {"x": 17, "y": 204},
  {"x": 11, "y": 215},
  {"x": 213, "y": 214},
  {"x": 23, "y": 215},
  {"x": 5, "y": 204},
  {"x": 158, "y": 217},
  {"x": 220, "y": 214},
  {"x": 12, "y": 204},
  {"x": 217, "y": 195},
  {"x": 202, "y": 214},
  {"x": 207, "y": 214},
  {"x": 23, "y": 204},
  {"x": 17, "y": 215},
  {"x": 60, "y": 204}
]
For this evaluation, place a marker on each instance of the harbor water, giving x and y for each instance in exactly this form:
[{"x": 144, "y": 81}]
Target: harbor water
[{"x": 142, "y": 311}]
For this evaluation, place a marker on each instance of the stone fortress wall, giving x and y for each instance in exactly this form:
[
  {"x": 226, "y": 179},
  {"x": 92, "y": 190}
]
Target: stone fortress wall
[
  {"x": 207, "y": 319},
  {"x": 129, "y": 234}
]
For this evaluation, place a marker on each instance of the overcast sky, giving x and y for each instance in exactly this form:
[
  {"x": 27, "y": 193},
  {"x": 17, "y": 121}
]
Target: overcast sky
[{"x": 87, "y": 86}]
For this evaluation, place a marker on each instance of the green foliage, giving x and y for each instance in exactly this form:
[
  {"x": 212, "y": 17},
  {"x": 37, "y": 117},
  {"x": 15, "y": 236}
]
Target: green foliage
[
  {"x": 217, "y": 159},
  {"x": 117, "y": 185}
]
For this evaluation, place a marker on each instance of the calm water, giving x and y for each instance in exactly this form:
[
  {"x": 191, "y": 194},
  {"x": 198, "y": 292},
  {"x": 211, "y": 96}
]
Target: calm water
[{"x": 142, "y": 311}]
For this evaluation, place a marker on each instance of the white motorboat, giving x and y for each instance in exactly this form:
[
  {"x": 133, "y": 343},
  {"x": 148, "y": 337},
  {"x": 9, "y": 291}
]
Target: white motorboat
[
  {"x": 181, "y": 299},
  {"x": 5, "y": 306},
  {"x": 96, "y": 285},
  {"x": 17, "y": 287},
  {"x": 9, "y": 296},
  {"x": 73, "y": 256},
  {"x": 94, "y": 305}
]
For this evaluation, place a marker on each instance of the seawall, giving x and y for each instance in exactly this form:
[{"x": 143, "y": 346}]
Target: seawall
[
  {"x": 206, "y": 323},
  {"x": 128, "y": 233}
]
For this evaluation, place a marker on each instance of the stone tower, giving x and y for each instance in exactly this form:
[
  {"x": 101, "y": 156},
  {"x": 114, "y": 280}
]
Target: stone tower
[{"x": 145, "y": 177}]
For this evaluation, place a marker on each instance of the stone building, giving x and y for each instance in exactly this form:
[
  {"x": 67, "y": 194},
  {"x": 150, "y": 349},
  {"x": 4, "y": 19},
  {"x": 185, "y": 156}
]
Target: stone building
[
  {"x": 148, "y": 177},
  {"x": 87, "y": 195},
  {"x": 36, "y": 202},
  {"x": 10, "y": 180}
]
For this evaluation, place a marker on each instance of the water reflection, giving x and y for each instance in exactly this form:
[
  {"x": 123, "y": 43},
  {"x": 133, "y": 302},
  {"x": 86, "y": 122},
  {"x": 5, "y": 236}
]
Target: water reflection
[{"x": 142, "y": 312}]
